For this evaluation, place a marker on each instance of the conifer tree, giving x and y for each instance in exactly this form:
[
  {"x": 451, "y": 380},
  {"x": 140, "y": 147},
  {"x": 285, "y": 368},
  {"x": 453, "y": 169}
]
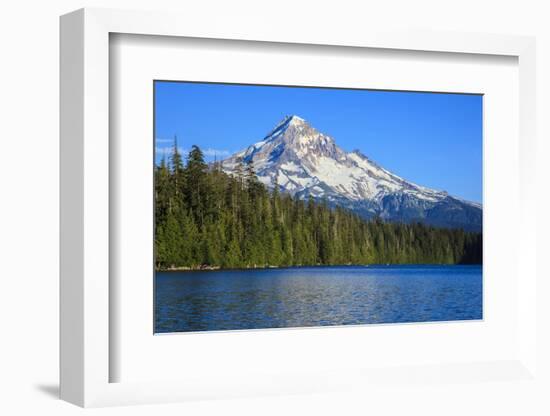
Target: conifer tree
[{"x": 195, "y": 191}]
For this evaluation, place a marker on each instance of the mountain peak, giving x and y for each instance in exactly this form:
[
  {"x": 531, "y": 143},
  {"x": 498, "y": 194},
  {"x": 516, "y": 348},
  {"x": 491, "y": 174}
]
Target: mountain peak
[
  {"x": 284, "y": 124},
  {"x": 304, "y": 162},
  {"x": 291, "y": 120},
  {"x": 294, "y": 119}
]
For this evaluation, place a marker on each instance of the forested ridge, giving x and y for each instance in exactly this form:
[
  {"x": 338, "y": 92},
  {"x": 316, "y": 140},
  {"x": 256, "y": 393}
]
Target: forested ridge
[{"x": 207, "y": 218}]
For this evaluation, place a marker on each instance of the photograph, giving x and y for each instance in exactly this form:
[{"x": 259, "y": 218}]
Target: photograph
[{"x": 302, "y": 206}]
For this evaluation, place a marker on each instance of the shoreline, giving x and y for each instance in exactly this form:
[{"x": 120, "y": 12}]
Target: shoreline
[{"x": 206, "y": 268}]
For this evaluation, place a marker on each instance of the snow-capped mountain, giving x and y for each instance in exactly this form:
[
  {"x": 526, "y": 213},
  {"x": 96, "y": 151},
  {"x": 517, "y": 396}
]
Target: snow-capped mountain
[{"x": 303, "y": 161}]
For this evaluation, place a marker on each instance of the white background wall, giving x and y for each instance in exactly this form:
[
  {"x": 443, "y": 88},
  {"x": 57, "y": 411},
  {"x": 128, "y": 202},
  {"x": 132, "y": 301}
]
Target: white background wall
[{"x": 29, "y": 205}]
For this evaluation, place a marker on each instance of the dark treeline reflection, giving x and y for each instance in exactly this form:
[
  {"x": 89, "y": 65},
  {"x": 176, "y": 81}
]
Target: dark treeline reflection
[{"x": 205, "y": 217}]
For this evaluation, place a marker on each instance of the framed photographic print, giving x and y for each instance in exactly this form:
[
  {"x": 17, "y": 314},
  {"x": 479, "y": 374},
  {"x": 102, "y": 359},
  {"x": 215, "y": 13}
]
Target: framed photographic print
[{"x": 281, "y": 213}]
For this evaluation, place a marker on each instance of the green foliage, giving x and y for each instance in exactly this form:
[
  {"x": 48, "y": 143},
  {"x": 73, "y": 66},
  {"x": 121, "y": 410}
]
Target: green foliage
[{"x": 205, "y": 217}]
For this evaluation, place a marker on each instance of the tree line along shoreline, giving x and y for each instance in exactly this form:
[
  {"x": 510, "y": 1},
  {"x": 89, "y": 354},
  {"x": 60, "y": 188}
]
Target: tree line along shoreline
[{"x": 206, "y": 219}]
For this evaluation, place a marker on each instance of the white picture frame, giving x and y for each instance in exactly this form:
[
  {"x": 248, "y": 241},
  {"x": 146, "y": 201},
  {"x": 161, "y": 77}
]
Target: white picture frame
[{"x": 86, "y": 355}]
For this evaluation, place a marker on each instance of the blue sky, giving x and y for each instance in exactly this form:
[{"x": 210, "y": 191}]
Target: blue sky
[{"x": 434, "y": 140}]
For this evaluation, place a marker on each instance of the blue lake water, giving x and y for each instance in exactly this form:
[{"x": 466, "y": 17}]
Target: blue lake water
[{"x": 315, "y": 296}]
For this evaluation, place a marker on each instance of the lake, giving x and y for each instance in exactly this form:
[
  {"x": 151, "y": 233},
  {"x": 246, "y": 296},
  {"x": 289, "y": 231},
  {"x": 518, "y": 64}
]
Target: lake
[{"x": 315, "y": 296}]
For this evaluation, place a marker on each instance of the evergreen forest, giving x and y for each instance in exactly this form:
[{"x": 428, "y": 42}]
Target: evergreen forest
[{"x": 205, "y": 218}]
